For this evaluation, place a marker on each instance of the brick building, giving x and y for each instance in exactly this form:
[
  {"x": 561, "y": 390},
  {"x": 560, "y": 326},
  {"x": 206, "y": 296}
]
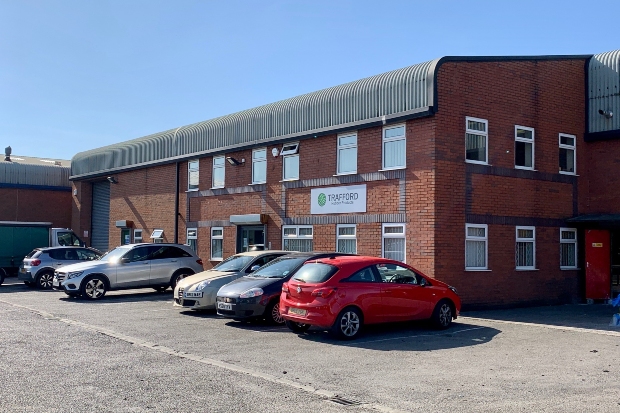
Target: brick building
[
  {"x": 469, "y": 168},
  {"x": 35, "y": 190}
]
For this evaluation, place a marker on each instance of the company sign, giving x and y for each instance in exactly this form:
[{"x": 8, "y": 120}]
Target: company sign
[{"x": 338, "y": 200}]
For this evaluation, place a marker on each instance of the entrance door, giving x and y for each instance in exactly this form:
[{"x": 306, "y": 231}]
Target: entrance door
[
  {"x": 250, "y": 237},
  {"x": 598, "y": 264},
  {"x": 125, "y": 236},
  {"x": 615, "y": 264}
]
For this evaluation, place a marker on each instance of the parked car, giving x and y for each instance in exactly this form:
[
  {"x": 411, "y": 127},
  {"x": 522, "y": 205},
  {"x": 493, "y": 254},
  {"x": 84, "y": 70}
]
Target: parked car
[
  {"x": 342, "y": 294},
  {"x": 129, "y": 266},
  {"x": 198, "y": 291},
  {"x": 38, "y": 268},
  {"x": 257, "y": 295}
]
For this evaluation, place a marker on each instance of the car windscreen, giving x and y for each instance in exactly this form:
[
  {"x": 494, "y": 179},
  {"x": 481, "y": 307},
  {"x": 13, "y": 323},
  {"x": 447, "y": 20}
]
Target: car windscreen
[
  {"x": 114, "y": 255},
  {"x": 279, "y": 268},
  {"x": 315, "y": 273},
  {"x": 34, "y": 254},
  {"x": 233, "y": 263}
]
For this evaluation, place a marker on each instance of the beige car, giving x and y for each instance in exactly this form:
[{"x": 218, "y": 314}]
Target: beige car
[{"x": 198, "y": 291}]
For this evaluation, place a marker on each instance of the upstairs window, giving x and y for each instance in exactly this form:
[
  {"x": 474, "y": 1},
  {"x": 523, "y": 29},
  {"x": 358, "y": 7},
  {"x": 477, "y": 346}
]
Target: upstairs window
[
  {"x": 476, "y": 140},
  {"x": 192, "y": 175},
  {"x": 259, "y": 166},
  {"x": 290, "y": 161},
  {"x": 394, "y": 147},
  {"x": 347, "y": 154},
  {"x": 568, "y": 159},
  {"x": 525, "y": 252},
  {"x": 524, "y": 147},
  {"x": 219, "y": 163}
]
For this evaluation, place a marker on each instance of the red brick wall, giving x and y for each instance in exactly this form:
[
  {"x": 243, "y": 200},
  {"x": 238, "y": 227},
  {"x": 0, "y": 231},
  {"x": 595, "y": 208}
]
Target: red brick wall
[
  {"x": 545, "y": 95},
  {"x": 35, "y": 205},
  {"x": 82, "y": 205},
  {"x": 601, "y": 164}
]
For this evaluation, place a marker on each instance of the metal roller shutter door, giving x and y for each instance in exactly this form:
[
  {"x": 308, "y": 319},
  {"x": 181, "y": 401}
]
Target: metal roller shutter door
[{"x": 101, "y": 216}]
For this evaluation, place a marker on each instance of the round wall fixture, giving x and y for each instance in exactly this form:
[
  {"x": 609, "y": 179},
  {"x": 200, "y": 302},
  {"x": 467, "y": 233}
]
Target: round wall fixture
[{"x": 274, "y": 152}]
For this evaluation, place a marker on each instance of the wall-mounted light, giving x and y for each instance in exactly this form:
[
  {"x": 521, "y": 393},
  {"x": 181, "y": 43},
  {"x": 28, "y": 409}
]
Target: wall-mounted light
[
  {"x": 112, "y": 180},
  {"x": 233, "y": 161},
  {"x": 275, "y": 152},
  {"x": 607, "y": 113}
]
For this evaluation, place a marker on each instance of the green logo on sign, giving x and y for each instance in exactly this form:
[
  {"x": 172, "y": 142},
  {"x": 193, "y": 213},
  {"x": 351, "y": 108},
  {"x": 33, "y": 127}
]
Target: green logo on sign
[{"x": 322, "y": 199}]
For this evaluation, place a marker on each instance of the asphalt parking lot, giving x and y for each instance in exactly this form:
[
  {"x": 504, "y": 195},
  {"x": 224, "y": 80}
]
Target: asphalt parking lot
[{"x": 134, "y": 352}]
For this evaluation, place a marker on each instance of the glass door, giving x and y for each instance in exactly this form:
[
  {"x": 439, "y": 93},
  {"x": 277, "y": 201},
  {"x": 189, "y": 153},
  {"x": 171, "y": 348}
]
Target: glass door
[{"x": 250, "y": 238}]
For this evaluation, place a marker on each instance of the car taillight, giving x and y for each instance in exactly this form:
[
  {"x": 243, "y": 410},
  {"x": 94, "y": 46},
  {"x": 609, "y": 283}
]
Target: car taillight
[
  {"x": 285, "y": 287},
  {"x": 323, "y": 292},
  {"x": 199, "y": 261},
  {"x": 34, "y": 263}
]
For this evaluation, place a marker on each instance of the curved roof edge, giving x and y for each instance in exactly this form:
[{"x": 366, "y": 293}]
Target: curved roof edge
[
  {"x": 396, "y": 95},
  {"x": 34, "y": 175},
  {"x": 604, "y": 92}
]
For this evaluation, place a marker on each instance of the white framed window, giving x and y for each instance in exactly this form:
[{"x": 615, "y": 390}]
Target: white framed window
[
  {"x": 157, "y": 236},
  {"x": 192, "y": 238},
  {"x": 219, "y": 168},
  {"x": 568, "y": 248},
  {"x": 217, "y": 243},
  {"x": 192, "y": 175},
  {"x": 298, "y": 238},
  {"x": 393, "y": 242},
  {"x": 476, "y": 140},
  {"x": 524, "y": 147},
  {"x": 259, "y": 166},
  {"x": 525, "y": 251},
  {"x": 137, "y": 236},
  {"x": 568, "y": 154},
  {"x": 394, "y": 147},
  {"x": 347, "y": 154},
  {"x": 346, "y": 238},
  {"x": 476, "y": 246},
  {"x": 290, "y": 161}
]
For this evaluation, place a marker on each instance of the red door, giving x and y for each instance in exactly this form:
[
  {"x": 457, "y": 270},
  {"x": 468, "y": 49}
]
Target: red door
[{"x": 598, "y": 264}]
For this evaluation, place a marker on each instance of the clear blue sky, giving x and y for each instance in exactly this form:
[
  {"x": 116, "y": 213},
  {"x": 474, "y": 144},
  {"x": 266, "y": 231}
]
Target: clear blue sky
[{"x": 78, "y": 75}]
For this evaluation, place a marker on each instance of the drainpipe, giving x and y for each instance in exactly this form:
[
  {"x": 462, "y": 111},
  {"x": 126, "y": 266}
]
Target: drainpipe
[{"x": 176, "y": 207}]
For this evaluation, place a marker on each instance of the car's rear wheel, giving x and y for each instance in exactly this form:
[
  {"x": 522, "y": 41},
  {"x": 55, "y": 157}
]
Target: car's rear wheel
[
  {"x": 45, "y": 280},
  {"x": 442, "y": 315},
  {"x": 272, "y": 313},
  {"x": 297, "y": 327},
  {"x": 94, "y": 288},
  {"x": 178, "y": 277},
  {"x": 348, "y": 324}
]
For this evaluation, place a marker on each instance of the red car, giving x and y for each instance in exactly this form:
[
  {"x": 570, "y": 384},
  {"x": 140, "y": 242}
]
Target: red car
[{"x": 341, "y": 294}]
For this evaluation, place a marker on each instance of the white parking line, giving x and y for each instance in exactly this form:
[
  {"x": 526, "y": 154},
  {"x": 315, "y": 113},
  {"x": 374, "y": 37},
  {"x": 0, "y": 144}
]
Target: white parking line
[
  {"x": 551, "y": 326},
  {"x": 325, "y": 394}
]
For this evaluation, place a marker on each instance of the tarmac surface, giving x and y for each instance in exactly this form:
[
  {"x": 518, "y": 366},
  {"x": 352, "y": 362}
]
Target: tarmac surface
[{"x": 134, "y": 352}]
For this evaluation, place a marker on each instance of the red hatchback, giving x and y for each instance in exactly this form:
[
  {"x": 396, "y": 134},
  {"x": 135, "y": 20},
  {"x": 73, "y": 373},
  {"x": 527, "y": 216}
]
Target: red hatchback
[{"x": 341, "y": 294}]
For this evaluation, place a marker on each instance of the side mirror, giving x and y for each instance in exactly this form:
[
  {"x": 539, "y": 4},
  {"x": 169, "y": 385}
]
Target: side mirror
[
  {"x": 254, "y": 268},
  {"x": 124, "y": 260},
  {"x": 423, "y": 282}
]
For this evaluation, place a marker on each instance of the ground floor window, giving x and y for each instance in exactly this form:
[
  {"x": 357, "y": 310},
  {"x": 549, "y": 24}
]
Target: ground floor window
[
  {"x": 297, "y": 238},
  {"x": 137, "y": 236},
  {"x": 393, "y": 241},
  {"x": 568, "y": 248},
  {"x": 192, "y": 238},
  {"x": 217, "y": 243},
  {"x": 525, "y": 251},
  {"x": 476, "y": 238},
  {"x": 346, "y": 238}
]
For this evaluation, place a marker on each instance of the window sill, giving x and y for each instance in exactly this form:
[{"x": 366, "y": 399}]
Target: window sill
[
  {"x": 289, "y": 180},
  {"x": 392, "y": 169},
  {"x": 257, "y": 183},
  {"x": 476, "y": 270},
  {"x": 216, "y": 259},
  {"x": 527, "y": 269},
  {"x": 570, "y": 268},
  {"x": 217, "y": 187},
  {"x": 193, "y": 190},
  {"x": 478, "y": 163},
  {"x": 567, "y": 173},
  {"x": 345, "y": 174},
  {"x": 523, "y": 168}
]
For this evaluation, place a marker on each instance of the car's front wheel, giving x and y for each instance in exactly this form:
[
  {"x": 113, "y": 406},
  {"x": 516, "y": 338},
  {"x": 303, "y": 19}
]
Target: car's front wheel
[
  {"x": 94, "y": 288},
  {"x": 442, "y": 315},
  {"x": 297, "y": 327},
  {"x": 348, "y": 324},
  {"x": 45, "y": 280}
]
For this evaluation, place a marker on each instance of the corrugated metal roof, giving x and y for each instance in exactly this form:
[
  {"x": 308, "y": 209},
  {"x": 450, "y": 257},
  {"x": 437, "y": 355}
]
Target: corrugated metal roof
[
  {"x": 390, "y": 94},
  {"x": 14, "y": 173},
  {"x": 604, "y": 91}
]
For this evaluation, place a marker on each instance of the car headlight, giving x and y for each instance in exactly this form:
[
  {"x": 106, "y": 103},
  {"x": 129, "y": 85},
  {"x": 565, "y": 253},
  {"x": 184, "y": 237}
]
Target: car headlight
[
  {"x": 252, "y": 292},
  {"x": 201, "y": 285},
  {"x": 74, "y": 274}
]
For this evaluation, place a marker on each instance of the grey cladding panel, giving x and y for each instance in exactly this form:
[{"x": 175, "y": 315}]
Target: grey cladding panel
[
  {"x": 604, "y": 91},
  {"x": 101, "y": 216}
]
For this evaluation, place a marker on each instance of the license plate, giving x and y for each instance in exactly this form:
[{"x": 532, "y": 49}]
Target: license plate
[
  {"x": 224, "y": 306},
  {"x": 193, "y": 295},
  {"x": 297, "y": 311},
  {"x": 55, "y": 282}
]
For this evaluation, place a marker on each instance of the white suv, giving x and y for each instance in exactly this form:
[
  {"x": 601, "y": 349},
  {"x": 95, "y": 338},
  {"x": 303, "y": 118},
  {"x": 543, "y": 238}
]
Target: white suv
[{"x": 158, "y": 266}]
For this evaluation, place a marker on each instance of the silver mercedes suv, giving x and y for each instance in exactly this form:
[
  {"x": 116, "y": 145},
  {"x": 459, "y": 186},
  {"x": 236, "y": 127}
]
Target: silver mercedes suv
[{"x": 158, "y": 266}]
